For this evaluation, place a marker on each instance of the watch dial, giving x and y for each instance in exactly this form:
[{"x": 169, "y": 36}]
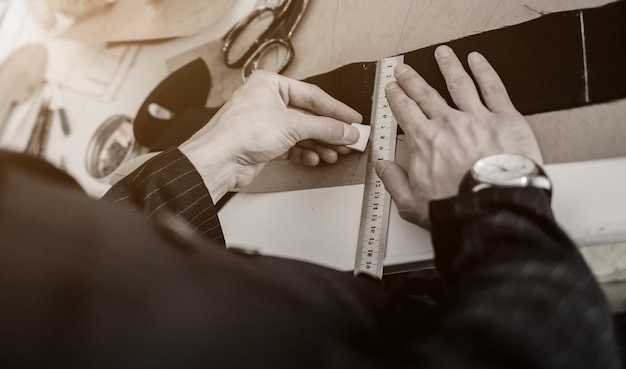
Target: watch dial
[{"x": 504, "y": 169}]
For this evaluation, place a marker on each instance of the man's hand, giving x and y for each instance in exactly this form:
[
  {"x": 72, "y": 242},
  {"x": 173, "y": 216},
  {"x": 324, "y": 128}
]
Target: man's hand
[
  {"x": 444, "y": 142},
  {"x": 270, "y": 117}
]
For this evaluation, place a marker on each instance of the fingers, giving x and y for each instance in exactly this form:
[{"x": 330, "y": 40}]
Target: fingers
[
  {"x": 408, "y": 114},
  {"x": 459, "y": 83},
  {"x": 312, "y": 98},
  {"x": 327, "y": 130},
  {"x": 303, "y": 156},
  {"x": 404, "y": 108},
  {"x": 312, "y": 153},
  {"x": 325, "y": 153},
  {"x": 427, "y": 98},
  {"x": 328, "y": 121},
  {"x": 303, "y": 112},
  {"x": 491, "y": 87},
  {"x": 396, "y": 181}
]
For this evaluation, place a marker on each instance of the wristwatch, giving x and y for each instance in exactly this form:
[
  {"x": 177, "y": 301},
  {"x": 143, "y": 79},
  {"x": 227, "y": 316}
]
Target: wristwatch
[{"x": 505, "y": 171}]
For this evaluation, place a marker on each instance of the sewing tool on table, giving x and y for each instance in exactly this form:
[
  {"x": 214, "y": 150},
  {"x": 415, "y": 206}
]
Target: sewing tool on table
[
  {"x": 20, "y": 75},
  {"x": 372, "y": 241},
  {"x": 59, "y": 106},
  {"x": 111, "y": 145},
  {"x": 249, "y": 44},
  {"x": 38, "y": 141}
]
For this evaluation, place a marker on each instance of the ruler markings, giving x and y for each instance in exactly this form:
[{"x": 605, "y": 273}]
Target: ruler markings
[{"x": 372, "y": 239}]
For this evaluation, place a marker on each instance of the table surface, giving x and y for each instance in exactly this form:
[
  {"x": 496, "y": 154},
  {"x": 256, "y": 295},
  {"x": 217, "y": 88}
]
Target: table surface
[{"x": 319, "y": 225}]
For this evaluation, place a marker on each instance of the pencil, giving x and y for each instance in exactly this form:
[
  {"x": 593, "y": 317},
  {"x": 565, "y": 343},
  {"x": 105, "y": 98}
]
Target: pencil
[{"x": 60, "y": 107}]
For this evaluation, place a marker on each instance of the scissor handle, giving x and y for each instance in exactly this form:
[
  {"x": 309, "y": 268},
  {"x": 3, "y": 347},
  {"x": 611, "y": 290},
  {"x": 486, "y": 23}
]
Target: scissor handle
[
  {"x": 252, "y": 64},
  {"x": 239, "y": 27}
]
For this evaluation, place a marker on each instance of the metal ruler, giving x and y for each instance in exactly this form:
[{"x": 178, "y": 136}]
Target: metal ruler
[{"x": 376, "y": 200}]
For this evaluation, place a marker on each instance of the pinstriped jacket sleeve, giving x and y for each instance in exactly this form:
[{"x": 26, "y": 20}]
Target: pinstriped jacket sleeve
[{"x": 166, "y": 186}]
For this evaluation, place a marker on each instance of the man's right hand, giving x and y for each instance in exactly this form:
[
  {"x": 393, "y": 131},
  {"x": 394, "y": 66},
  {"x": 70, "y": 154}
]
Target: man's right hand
[
  {"x": 443, "y": 141},
  {"x": 269, "y": 117}
]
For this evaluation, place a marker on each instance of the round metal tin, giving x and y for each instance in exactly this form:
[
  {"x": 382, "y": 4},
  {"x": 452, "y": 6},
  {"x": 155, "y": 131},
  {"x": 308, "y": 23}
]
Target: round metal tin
[{"x": 112, "y": 145}]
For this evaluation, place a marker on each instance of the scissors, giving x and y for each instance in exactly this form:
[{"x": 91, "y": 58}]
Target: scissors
[{"x": 285, "y": 19}]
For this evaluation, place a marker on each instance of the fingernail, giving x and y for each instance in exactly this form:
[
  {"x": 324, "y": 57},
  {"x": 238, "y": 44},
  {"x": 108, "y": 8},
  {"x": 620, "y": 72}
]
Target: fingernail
[
  {"x": 350, "y": 133},
  {"x": 313, "y": 161},
  {"x": 379, "y": 166},
  {"x": 401, "y": 68},
  {"x": 475, "y": 57},
  {"x": 443, "y": 50}
]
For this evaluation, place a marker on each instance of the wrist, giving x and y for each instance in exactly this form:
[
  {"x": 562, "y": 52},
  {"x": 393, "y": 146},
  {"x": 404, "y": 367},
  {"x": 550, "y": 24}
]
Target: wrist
[
  {"x": 457, "y": 219},
  {"x": 217, "y": 172}
]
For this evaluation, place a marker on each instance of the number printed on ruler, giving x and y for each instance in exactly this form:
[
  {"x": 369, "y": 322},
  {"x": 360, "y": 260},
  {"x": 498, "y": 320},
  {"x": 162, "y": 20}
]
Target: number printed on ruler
[{"x": 376, "y": 201}]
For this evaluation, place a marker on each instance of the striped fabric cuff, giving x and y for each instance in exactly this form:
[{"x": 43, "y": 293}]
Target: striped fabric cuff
[{"x": 168, "y": 185}]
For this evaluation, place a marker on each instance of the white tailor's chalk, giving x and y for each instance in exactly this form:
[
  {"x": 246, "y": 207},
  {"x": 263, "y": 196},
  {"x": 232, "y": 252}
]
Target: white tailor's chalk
[{"x": 364, "y": 137}]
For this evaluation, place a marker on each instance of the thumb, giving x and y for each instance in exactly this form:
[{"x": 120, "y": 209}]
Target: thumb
[
  {"x": 395, "y": 179},
  {"x": 327, "y": 130}
]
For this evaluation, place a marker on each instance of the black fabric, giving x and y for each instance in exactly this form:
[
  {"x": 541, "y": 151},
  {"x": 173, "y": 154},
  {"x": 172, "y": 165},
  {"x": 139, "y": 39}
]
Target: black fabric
[
  {"x": 352, "y": 84},
  {"x": 606, "y": 51},
  {"x": 89, "y": 284},
  {"x": 541, "y": 63},
  {"x": 184, "y": 93}
]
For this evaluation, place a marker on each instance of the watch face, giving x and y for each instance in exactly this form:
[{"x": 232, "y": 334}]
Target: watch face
[{"x": 504, "y": 170}]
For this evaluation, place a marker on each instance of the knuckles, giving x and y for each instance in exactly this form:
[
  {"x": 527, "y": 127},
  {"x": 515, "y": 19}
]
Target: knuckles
[
  {"x": 400, "y": 103},
  {"x": 492, "y": 88},
  {"x": 459, "y": 80},
  {"x": 481, "y": 67},
  {"x": 425, "y": 93}
]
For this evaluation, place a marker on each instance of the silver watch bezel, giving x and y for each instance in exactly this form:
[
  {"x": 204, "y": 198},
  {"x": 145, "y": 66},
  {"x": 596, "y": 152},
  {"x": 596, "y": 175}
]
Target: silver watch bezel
[{"x": 534, "y": 177}]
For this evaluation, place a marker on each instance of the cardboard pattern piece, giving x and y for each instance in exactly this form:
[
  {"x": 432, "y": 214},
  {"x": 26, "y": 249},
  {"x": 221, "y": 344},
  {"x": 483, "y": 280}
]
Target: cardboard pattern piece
[
  {"x": 132, "y": 20},
  {"x": 541, "y": 62}
]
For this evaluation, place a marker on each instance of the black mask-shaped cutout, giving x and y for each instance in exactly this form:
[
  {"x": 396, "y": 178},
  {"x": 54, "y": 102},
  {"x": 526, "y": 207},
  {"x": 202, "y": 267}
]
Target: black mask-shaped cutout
[{"x": 184, "y": 93}]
